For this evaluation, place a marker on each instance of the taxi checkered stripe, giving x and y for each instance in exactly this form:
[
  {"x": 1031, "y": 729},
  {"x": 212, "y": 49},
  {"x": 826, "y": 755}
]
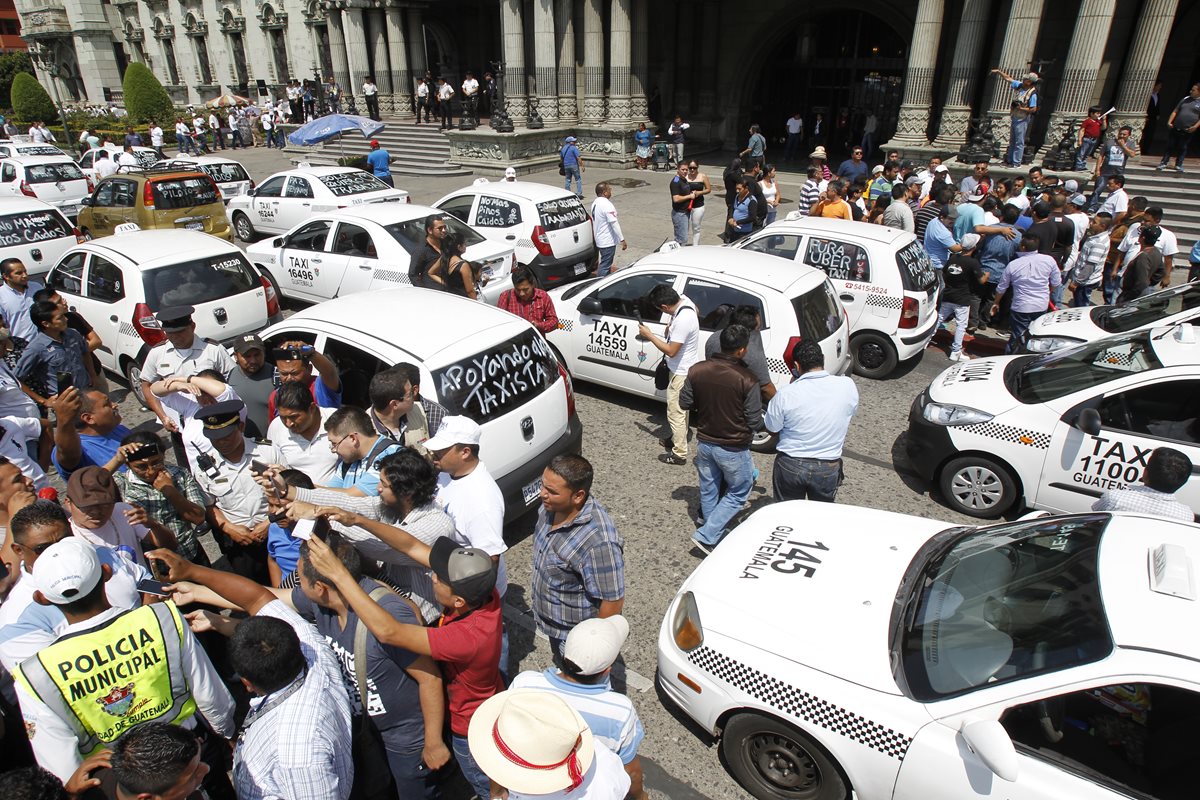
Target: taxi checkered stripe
[
  {"x": 1007, "y": 433},
  {"x": 392, "y": 275},
  {"x": 566, "y": 324},
  {"x": 798, "y": 703},
  {"x": 885, "y": 300},
  {"x": 778, "y": 366}
]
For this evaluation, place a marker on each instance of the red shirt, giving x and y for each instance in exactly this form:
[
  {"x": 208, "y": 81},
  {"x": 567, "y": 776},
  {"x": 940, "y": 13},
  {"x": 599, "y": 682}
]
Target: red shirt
[
  {"x": 539, "y": 311},
  {"x": 468, "y": 648},
  {"x": 1091, "y": 128}
]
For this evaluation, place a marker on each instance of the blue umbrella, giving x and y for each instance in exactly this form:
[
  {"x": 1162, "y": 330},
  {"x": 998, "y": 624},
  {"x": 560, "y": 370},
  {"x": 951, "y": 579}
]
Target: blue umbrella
[{"x": 330, "y": 125}]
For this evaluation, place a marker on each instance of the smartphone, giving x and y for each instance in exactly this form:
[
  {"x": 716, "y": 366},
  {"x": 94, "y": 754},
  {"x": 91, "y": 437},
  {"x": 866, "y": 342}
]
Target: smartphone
[
  {"x": 145, "y": 451},
  {"x": 65, "y": 380},
  {"x": 158, "y": 569},
  {"x": 148, "y": 586},
  {"x": 258, "y": 467}
]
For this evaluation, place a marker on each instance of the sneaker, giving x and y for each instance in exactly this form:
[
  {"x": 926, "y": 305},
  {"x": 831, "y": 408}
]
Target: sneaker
[
  {"x": 1160, "y": 167},
  {"x": 671, "y": 458},
  {"x": 702, "y": 547},
  {"x": 1179, "y": 170},
  {"x": 959, "y": 356}
]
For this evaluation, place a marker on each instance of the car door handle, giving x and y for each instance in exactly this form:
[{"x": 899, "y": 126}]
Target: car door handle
[
  {"x": 365, "y": 266},
  {"x": 113, "y": 318},
  {"x": 846, "y": 298},
  {"x": 306, "y": 205},
  {"x": 315, "y": 260},
  {"x": 511, "y": 237}
]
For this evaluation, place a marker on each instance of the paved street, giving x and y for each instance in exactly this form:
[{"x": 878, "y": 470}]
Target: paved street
[{"x": 654, "y": 503}]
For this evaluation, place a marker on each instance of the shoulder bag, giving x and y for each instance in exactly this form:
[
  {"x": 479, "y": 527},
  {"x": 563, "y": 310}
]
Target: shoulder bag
[{"x": 372, "y": 773}]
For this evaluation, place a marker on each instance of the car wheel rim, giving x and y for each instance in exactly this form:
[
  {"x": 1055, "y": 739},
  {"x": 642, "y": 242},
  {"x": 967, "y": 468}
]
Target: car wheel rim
[
  {"x": 784, "y": 765},
  {"x": 871, "y": 355},
  {"x": 760, "y": 438},
  {"x": 243, "y": 229},
  {"x": 977, "y": 488}
]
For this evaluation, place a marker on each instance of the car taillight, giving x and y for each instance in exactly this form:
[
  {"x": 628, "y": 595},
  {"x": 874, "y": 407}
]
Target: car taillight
[
  {"x": 408, "y": 198},
  {"x": 27, "y": 190},
  {"x": 215, "y": 188},
  {"x": 272, "y": 298},
  {"x": 910, "y": 312},
  {"x": 147, "y": 326},
  {"x": 148, "y": 195},
  {"x": 79, "y": 237},
  {"x": 90, "y": 182},
  {"x": 570, "y": 387},
  {"x": 793, "y": 343},
  {"x": 541, "y": 241},
  {"x": 252, "y": 184}
]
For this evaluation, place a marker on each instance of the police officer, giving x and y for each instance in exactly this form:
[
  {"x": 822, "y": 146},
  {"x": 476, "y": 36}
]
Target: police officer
[
  {"x": 183, "y": 353},
  {"x": 239, "y": 518},
  {"x": 111, "y": 670}
]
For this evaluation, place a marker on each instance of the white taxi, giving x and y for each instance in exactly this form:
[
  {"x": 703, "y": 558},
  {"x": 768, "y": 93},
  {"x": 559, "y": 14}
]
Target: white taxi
[
  {"x": 35, "y": 232},
  {"x": 10, "y": 148},
  {"x": 882, "y": 275},
  {"x": 1058, "y": 430},
  {"x": 1071, "y": 326},
  {"x": 597, "y": 334},
  {"x": 284, "y": 200},
  {"x": 146, "y": 157},
  {"x": 366, "y": 248},
  {"x": 848, "y": 652},
  {"x": 229, "y": 175},
  {"x": 55, "y": 180}
]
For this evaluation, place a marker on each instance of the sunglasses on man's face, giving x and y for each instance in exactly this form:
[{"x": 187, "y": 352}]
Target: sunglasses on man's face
[{"x": 43, "y": 547}]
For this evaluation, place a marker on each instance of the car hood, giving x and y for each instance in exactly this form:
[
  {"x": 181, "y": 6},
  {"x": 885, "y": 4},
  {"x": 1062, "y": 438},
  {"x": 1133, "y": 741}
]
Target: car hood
[
  {"x": 814, "y": 583},
  {"x": 978, "y": 384},
  {"x": 1075, "y": 323}
]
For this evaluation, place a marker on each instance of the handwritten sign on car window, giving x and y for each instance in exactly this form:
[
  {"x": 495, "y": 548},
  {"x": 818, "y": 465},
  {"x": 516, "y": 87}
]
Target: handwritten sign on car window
[
  {"x": 497, "y": 212},
  {"x": 842, "y": 261},
  {"x": 356, "y": 181},
  {"x": 53, "y": 173},
  {"x": 32, "y": 226},
  {"x": 916, "y": 270},
  {"x": 565, "y": 212},
  {"x": 489, "y": 384},
  {"x": 184, "y": 193}
]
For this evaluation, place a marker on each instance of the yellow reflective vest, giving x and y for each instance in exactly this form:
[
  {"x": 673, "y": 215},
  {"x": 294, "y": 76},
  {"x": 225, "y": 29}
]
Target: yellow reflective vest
[{"x": 116, "y": 676}]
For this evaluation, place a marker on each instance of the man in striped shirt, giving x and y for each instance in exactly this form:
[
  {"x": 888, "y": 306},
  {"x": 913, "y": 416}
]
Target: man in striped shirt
[
  {"x": 810, "y": 192},
  {"x": 1089, "y": 266}
]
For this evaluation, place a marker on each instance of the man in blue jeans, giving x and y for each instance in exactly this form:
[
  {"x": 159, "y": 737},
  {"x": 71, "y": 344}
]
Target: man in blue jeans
[
  {"x": 573, "y": 167},
  {"x": 1032, "y": 277},
  {"x": 1024, "y": 106},
  {"x": 681, "y": 204},
  {"x": 727, "y": 400},
  {"x": 811, "y": 415}
]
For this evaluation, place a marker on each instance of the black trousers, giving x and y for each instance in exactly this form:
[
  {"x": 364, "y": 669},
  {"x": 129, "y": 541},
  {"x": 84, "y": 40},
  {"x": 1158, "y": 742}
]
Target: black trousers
[{"x": 372, "y": 101}]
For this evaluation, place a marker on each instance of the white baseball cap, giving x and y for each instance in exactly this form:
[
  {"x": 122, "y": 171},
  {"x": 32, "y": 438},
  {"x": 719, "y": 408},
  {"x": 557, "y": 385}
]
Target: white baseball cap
[
  {"x": 454, "y": 430},
  {"x": 510, "y": 173},
  {"x": 67, "y": 571},
  {"x": 594, "y": 644}
]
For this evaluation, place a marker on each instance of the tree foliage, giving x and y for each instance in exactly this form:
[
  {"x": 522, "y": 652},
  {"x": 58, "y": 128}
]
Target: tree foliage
[
  {"x": 10, "y": 65},
  {"x": 145, "y": 97},
  {"x": 30, "y": 101}
]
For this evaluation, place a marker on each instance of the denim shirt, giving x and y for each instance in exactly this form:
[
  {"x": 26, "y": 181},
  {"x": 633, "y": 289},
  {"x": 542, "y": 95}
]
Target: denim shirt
[{"x": 44, "y": 358}]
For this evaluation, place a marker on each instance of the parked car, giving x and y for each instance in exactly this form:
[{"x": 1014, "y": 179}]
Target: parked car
[
  {"x": 166, "y": 200},
  {"x": 597, "y": 334},
  {"x": 146, "y": 158},
  {"x": 882, "y": 275},
  {"x": 119, "y": 282},
  {"x": 287, "y": 198},
  {"x": 9, "y": 148},
  {"x": 35, "y": 232},
  {"x": 495, "y": 368},
  {"x": 55, "y": 180},
  {"x": 365, "y": 248},
  {"x": 547, "y": 225},
  {"x": 1071, "y": 326},
  {"x": 230, "y": 176},
  {"x": 1052, "y": 657}
]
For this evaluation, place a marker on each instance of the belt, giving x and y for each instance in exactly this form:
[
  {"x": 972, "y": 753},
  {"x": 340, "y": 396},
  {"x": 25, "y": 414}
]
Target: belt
[{"x": 806, "y": 458}]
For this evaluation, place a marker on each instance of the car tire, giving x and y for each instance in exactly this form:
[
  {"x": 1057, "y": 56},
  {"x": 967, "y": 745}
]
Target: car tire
[
  {"x": 764, "y": 441},
  {"x": 243, "y": 228},
  {"x": 132, "y": 371},
  {"x": 774, "y": 761},
  {"x": 874, "y": 355},
  {"x": 978, "y": 486}
]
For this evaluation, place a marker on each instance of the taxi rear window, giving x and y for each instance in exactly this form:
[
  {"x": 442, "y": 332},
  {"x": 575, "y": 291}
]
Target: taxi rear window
[
  {"x": 1074, "y": 369},
  {"x": 225, "y": 173},
  {"x": 343, "y": 184},
  {"x": 32, "y": 226},
  {"x": 916, "y": 270},
  {"x": 411, "y": 233},
  {"x": 188, "y": 192},
  {"x": 52, "y": 173},
  {"x": 489, "y": 384},
  {"x": 201, "y": 280},
  {"x": 817, "y": 313},
  {"x": 565, "y": 212}
]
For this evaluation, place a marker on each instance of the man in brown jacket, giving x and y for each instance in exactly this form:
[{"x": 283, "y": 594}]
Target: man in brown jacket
[{"x": 727, "y": 400}]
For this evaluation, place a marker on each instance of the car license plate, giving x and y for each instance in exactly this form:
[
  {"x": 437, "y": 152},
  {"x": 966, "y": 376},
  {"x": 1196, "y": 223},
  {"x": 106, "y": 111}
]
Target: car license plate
[
  {"x": 231, "y": 189},
  {"x": 531, "y": 490},
  {"x": 70, "y": 210},
  {"x": 195, "y": 226},
  {"x": 580, "y": 268}
]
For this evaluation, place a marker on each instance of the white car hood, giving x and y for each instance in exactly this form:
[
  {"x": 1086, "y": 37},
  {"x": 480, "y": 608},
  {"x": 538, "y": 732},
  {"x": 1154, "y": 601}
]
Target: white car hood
[
  {"x": 1075, "y": 323},
  {"x": 978, "y": 384},
  {"x": 835, "y": 619}
]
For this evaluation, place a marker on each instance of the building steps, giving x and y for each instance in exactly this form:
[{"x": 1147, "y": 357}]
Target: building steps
[
  {"x": 1175, "y": 194},
  {"x": 416, "y": 150}
]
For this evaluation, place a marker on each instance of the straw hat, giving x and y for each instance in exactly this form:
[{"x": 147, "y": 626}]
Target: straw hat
[{"x": 819, "y": 153}]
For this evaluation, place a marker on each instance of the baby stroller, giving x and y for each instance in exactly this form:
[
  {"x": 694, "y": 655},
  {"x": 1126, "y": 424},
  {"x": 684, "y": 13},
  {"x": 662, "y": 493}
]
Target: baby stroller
[{"x": 661, "y": 157}]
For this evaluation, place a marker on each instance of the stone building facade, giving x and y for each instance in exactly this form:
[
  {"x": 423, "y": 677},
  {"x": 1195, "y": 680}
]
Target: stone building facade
[{"x": 920, "y": 68}]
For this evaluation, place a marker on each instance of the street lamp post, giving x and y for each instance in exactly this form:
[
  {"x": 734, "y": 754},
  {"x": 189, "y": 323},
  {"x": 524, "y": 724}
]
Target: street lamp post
[{"x": 43, "y": 56}]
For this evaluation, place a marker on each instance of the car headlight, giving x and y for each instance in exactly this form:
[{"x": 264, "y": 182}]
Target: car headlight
[
  {"x": 686, "y": 629},
  {"x": 950, "y": 414},
  {"x": 1048, "y": 344}
]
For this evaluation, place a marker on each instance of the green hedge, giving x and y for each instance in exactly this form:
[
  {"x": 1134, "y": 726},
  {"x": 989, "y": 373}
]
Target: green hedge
[
  {"x": 145, "y": 97},
  {"x": 30, "y": 100}
]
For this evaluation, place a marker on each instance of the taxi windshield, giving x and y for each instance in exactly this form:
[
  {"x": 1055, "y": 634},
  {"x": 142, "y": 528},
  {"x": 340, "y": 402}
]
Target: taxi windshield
[
  {"x": 1147, "y": 310},
  {"x": 996, "y": 604},
  {"x": 1075, "y": 369}
]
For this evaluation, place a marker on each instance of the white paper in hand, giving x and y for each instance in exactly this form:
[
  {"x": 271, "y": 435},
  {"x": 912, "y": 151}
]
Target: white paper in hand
[{"x": 304, "y": 529}]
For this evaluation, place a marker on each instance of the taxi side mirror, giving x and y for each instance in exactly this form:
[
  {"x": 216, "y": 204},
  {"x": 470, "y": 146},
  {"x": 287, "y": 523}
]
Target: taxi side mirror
[
  {"x": 86, "y": 201},
  {"x": 1088, "y": 421},
  {"x": 277, "y": 241},
  {"x": 988, "y": 740},
  {"x": 590, "y": 306}
]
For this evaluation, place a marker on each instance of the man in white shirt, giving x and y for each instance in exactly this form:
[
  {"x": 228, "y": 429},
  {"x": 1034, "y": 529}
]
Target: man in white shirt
[
  {"x": 156, "y": 138},
  {"x": 183, "y": 137},
  {"x": 1167, "y": 470},
  {"x": 470, "y": 89},
  {"x": 184, "y": 353},
  {"x": 1117, "y": 202},
  {"x": 214, "y": 125},
  {"x": 1167, "y": 244},
  {"x": 681, "y": 349},
  {"x": 298, "y": 434},
  {"x": 200, "y": 129},
  {"x": 422, "y": 99},
  {"x": 371, "y": 96},
  {"x": 181, "y": 397},
  {"x": 105, "y": 165},
  {"x": 445, "y": 96},
  {"x": 127, "y": 161},
  {"x": 795, "y": 135},
  {"x": 606, "y": 230}
]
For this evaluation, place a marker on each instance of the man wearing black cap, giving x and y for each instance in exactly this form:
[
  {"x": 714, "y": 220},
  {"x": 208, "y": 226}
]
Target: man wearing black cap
[
  {"x": 182, "y": 354},
  {"x": 294, "y": 361},
  {"x": 239, "y": 517},
  {"x": 253, "y": 380}
]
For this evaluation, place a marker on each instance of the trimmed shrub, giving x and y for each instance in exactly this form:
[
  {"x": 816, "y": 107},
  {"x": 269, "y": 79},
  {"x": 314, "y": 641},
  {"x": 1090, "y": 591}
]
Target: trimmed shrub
[
  {"x": 10, "y": 65},
  {"x": 30, "y": 101},
  {"x": 145, "y": 97}
]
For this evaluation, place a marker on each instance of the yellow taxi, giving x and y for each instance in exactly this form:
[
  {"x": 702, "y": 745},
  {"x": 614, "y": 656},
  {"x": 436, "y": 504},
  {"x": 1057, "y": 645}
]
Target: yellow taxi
[{"x": 155, "y": 200}]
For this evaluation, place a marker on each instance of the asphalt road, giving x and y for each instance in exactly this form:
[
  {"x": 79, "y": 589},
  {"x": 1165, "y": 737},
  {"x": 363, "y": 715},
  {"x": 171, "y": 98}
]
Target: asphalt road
[{"x": 654, "y": 504}]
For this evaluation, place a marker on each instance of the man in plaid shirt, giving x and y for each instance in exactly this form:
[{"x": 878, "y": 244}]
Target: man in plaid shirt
[
  {"x": 529, "y": 302},
  {"x": 167, "y": 493},
  {"x": 578, "y": 555},
  {"x": 1089, "y": 266}
]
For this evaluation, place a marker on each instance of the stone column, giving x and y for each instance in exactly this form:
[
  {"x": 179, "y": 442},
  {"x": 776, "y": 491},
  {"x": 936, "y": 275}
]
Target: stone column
[
  {"x": 355, "y": 29},
  {"x": 337, "y": 49},
  {"x": 545, "y": 65},
  {"x": 956, "y": 114},
  {"x": 564, "y": 32},
  {"x": 1083, "y": 64},
  {"x": 710, "y": 32},
  {"x": 418, "y": 58},
  {"x": 512, "y": 33},
  {"x": 379, "y": 51},
  {"x": 918, "y": 79},
  {"x": 1024, "y": 19},
  {"x": 1142, "y": 65},
  {"x": 620, "y": 41},
  {"x": 402, "y": 82},
  {"x": 593, "y": 62},
  {"x": 641, "y": 50}
]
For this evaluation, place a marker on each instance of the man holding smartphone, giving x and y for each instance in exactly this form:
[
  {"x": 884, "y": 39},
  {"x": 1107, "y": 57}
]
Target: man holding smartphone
[
  {"x": 57, "y": 357},
  {"x": 295, "y": 362}
]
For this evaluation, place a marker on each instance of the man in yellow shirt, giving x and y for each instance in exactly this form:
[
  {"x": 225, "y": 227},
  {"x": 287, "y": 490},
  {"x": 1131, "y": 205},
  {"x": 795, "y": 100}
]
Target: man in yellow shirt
[{"x": 831, "y": 205}]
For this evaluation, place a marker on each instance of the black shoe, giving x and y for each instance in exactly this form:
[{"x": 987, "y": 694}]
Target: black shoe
[
  {"x": 702, "y": 547},
  {"x": 667, "y": 443},
  {"x": 671, "y": 458}
]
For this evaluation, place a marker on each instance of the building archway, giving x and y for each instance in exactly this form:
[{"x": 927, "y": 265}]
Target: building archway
[{"x": 844, "y": 62}]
